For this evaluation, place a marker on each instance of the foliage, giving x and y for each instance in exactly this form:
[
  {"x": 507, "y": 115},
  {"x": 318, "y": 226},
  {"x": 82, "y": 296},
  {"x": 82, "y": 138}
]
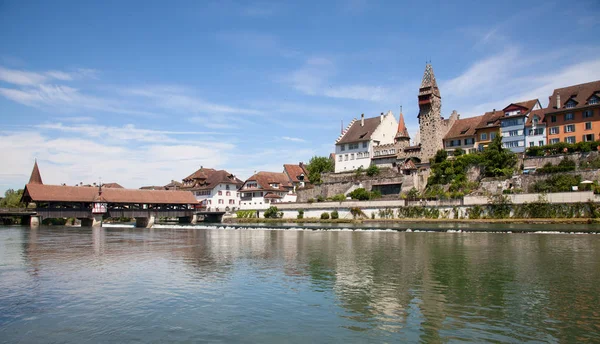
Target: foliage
[
  {"x": 339, "y": 198},
  {"x": 357, "y": 212},
  {"x": 498, "y": 161},
  {"x": 413, "y": 193},
  {"x": 386, "y": 213},
  {"x": 440, "y": 156},
  {"x": 320, "y": 198},
  {"x": 459, "y": 152},
  {"x": 12, "y": 199},
  {"x": 475, "y": 212},
  {"x": 310, "y": 200},
  {"x": 362, "y": 194},
  {"x": 317, "y": 166},
  {"x": 273, "y": 213},
  {"x": 445, "y": 171},
  {"x": 500, "y": 207},
  {"x": 592, "y": 163},
  {"x": 564, "y": 165},
  {"x": 436, "y": 191},
  {"x": 416, "y": 212},
  {"x": 335, "y": 215},
  {"x": 562, "y": 148},
  {"x": 556, "y": 183},
  {"x": 300, "y": 214},
  {"x": 373, "y": 170},
  {"x": 245, "y": 214},
  {"x": 325, "y": 216},
  {"x": 359, "y": 171}
]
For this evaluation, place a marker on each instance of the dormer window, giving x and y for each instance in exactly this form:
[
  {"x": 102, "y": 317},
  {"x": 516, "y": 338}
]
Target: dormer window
[
  {"x": 570, "y": 104},
  {"x": 594, "y": 100},
  {"x": 536, "y": 119},
  {"x": 274, "y": 185}
]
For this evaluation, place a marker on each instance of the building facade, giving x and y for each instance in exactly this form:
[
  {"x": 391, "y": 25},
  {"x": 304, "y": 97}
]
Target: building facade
[
  {"x": 535, "y": 129},
  {"x": 512, "y": 124},
  {"x": 354, "y": 148},
  {"x": 462, "y": 135},
  {"x": 573, "y": 114},
  {"x": 264, "y": 189},
  {"x": 215, "y": 190}
]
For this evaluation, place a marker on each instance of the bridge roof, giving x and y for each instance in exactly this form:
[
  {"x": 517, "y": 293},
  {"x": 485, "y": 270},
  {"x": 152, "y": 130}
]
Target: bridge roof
[{"x": 60, "y": 193}]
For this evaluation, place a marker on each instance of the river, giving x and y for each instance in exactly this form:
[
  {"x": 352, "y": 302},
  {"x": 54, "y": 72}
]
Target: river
[{"x": 73, "y": 285}]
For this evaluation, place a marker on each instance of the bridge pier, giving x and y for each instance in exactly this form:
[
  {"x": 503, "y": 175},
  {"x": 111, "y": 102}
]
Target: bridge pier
[
  {"x": 34, "y": 221},
  {"x": 145, "y": 222},
  {"x": 94, "y": 221},
  {"x": 188, "y": 219}
]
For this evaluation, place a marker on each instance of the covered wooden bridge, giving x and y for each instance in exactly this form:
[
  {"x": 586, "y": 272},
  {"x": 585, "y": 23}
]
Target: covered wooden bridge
[{"x": 92, "y": 204}]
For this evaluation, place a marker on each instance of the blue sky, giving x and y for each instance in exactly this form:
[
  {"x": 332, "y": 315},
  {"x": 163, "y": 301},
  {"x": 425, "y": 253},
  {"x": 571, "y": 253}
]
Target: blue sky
[{"x": 144, "y": 92}]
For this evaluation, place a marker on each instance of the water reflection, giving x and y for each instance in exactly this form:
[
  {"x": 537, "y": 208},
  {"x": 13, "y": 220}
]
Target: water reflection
[{"x": 64, "y": 284}]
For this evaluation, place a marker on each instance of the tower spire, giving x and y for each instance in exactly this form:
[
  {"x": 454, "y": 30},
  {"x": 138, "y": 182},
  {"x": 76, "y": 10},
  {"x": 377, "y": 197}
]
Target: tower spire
[
  {"x": 35, "y": 178},
  {"x": 429, "y": 79}
]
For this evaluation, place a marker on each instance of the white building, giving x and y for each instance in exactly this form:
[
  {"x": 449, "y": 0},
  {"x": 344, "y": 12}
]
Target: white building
[
  {"x": 535, "y": 129},
  {"x": 354, "y": 148},
  {"x": 264, "y": 189},
  {"x": 216, "y": 190}
]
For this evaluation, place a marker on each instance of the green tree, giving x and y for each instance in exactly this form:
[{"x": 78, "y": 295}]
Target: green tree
[
  {"x": 360, "y": 194},
  {"x": 498, "y": 161},
  {"x": 272, "y": 213},
  {"x": 373, "y": 170},
  {"x": 317, "y": 166},
  {"x": 459, "y": 152},
  {"x": 12, "y": 199}
]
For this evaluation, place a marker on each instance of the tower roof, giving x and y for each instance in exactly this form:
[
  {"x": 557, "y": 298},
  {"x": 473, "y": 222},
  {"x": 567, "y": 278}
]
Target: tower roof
[
  {"x": 402, "y": 131},
  {"x": 428, "y": 84},
  {"x": 35, "y": 178}
]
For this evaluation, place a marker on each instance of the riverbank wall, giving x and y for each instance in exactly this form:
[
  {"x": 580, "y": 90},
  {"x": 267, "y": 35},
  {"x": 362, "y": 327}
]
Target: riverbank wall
[{"x": 552, "y": 205}]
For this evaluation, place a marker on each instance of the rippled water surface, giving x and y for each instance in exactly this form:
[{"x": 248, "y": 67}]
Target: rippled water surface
[{"x": 176, "y": 285}]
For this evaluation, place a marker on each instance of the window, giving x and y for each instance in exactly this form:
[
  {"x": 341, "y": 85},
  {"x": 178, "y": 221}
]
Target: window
[
  {"x": 588, "y": 138},
  {"x": 352, "y": 156},
  {"x": 227, "y": 187},
  {"x": 469, "y": 141},
  {"x": 221, "y": 201},
  {"x": 536, "y": 119},
  {"x": 554, "y": 130},
  {"x": 353, "y": 146},
  {"x": 553, "y": 119},
  {"x": 553, "y": 141},
  {"x": 343, "y": 148},
  {"x": 345, "y": 157},
  {"x": 570, "y": 139},
  {"x": 483, "y": 136},
  {"x": 594, "y": 100},
  {"x": 340, "y": 158},
  {"x": 511, "y": 144},
  {"x": 492, "y": 136},
  {"x": 569, "y": 128},
  {"x": 531, "y": 144},
  {"x": 541, "y": 143},
  {"x": 511, "y": 122},
  {"x": 569, "y": 116},
  {"x": 570, "y": 104},
  {"x": 365, "y": 144},
  {"x": 588, "y": 125},
  {"x": 228, "y": 193},
  {"x": 220, "y": 193},
  {"x": 588, "y": 113},
  {"x": 231, "y": 201}
]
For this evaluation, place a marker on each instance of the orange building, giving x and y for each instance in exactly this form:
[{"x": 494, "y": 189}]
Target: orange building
[
  {"x": 573, "y": 114},
  {"x": 487, "y": 129}
]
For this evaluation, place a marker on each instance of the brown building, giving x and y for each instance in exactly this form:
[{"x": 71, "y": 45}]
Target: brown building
[{"x": 573, "y": 114}]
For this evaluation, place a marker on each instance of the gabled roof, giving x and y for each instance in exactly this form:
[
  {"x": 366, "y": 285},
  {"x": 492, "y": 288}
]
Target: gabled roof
[
  {"x": 295, "y": 171},
  {"x": 265, "y": 179},
  {"x": 541, "y": 113},
  {"x": 357, "y": 133},
  {"x": 527, "y": 105},
  {"x": 211, "y": 178},
  {"x": 60, "y": 193},
  {"x": 202, "y": 173},
  {"x": 490, "y": 119},
  {"x": 463, "y": 127},
  {"x": 579, "y": 93},
  {"x": 36, "y": 177}
]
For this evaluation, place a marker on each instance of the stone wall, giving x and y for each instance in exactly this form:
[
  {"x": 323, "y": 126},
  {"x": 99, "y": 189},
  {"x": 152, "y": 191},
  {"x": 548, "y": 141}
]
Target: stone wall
[
  {"x": 540, "y": 161},
  {"x": 525, "y": 181}
]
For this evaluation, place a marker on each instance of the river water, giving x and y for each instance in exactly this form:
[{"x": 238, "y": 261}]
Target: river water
[{"x": 74, "y": 285}]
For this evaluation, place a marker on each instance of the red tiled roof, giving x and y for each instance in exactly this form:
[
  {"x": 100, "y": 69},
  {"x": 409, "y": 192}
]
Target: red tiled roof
[
  {"x": 59, "y": 193},
  {"x": 208, "y": 179},
  {"x": 202, "y": 173},
  {"x": 272, "y": 195},
  {"x": 464, "y": 127},
  {"x": 264, "y": 179},
  {"x": 112, "y": 185},
  {"x": 527, "y": 104},
  {"x": 541, "y": 113},
  {"x": 294, "y": 171},
  {"x": 357, "y": 133},
  {"x": 579, "y": 93},
  {"x": 402, "y": 131},
  {"x": 36, "y": 177},
  {"x": 492, "y": 117}
]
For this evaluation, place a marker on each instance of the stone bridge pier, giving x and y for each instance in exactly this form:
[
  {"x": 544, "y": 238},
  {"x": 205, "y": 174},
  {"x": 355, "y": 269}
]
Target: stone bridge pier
[
  {"x": 189, "y": 219},
  {"x": 145, "y": 222},
  {"x": 94, "y": 221}
]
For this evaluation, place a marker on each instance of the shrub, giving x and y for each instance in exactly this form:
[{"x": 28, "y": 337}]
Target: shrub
[
  {"x": 339, "y": 198},
  {"x": 565, "y": 165},
  {"x": 325, "y": 216},
  {"x": 373, "y": 170},
  {"x": 475, "y": 212},
  {"x": 300, "y": 214},
  {"x": 272, "y": 213},
  {"x": 360, "y": 194},
  {"x": 459, "y": 152},
  {"x": 357, "y": 212},
  {"x": 359, "y": 171},
  {"x": 335, "y": 215},
  {"x": 243, "y": 214},
  {"x": 320, "y": 198},
  {"x": 386, "y": 213},
  {"x": 375, "y": 194},
  {"x": 557, "y": 183},
  {"x": 310, "y": 200},
  {"x": 413, "y": 193}
]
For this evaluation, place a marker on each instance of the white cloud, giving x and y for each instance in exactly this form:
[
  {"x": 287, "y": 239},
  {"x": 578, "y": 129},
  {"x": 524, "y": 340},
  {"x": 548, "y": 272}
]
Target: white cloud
[
  {"x": 29, "y": 78},
  {"x": 293, "y": 139}
]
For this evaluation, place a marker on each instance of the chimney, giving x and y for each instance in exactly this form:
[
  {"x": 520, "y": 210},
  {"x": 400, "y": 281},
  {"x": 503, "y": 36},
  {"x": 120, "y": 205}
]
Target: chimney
[
  {"x": 362, "y": 120},
  {"x": 558, "y": 101},
  {"x": 381, "y": 117}
]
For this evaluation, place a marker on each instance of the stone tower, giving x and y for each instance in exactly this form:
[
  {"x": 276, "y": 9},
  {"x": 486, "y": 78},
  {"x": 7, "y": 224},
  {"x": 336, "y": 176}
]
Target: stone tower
[{"x": 431, "y": 123}]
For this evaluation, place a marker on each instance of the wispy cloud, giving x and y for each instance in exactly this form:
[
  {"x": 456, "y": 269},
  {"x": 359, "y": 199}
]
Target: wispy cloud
[
  {"x": 29, "y": 78},
  {"x": 293, "y": 139}
]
